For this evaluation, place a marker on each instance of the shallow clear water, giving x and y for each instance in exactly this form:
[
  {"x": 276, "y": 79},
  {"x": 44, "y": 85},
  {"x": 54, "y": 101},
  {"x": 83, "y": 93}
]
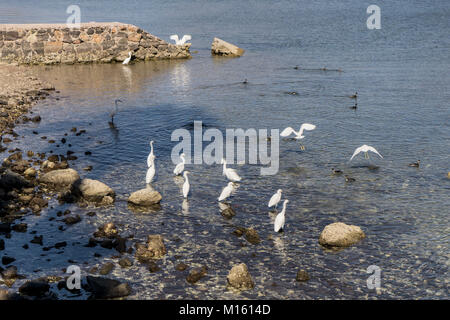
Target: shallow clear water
[{"x": 401, "y": 75}]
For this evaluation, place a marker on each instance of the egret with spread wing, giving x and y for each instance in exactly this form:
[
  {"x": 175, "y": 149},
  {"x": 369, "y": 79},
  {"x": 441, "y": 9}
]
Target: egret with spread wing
[
  {"x": 365, "y": 148},
  {"x": 298, "y": 135},
  {"x": 183, "y": 40}
]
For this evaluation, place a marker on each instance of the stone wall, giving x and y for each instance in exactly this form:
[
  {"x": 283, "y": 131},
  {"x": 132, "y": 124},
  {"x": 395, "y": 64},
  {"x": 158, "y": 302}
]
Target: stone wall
[{"x": 92, "y": 42}]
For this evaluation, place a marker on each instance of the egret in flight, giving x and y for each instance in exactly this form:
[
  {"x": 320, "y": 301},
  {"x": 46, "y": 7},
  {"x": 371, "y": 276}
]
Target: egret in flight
[
  {"x": 180, "y": 167},
  {"x": 186, "y": 185},
  {"x": 231, "y": 174},
  {"x": 183, "y": 40},
  {"x": 127, "y": 60},
  {"x": 275, "y": 199},
  {"x": 298, "y": 135},
  {"x": 365, "y": 148},
  {"x": 280, "y": 219},
  {"x": 227, "y": 191},
  {"x": 151, "y": 156}
]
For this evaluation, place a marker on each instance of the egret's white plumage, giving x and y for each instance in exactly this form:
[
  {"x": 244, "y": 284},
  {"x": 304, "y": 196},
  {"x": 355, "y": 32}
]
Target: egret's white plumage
[
  {"x": 151, "y": 156},
  {"x": 186, "y": 185},
  {"x": 298, "y": 135},
  {"x": 127, "y": 60},
  {"x": 179, "y": 168},
  {"x": 280, "y": 219},
  {"x": 183, "y": 40},
  {"x": 227, "y": 191},
  {"x": 275, "y": 199},
  {"x": 231, "y": 174},
  {"x": 365, "y": 148},
  {"x": 150, "y": 173}
]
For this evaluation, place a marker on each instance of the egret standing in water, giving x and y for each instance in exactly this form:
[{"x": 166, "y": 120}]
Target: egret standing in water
[
  {"x": 186, "y": 185},
  {"x": 113, "y": 113},
  {"x": 151, "y": 156},
  {"x": 227, "y": 191},
  {"x": 298, "y": 135},
  {"x": 180, "y": 167},
  {"x": 231, "y": 174},
  {"x": 278, "y": 226},
  {"x": 127, "y": 60},
  {"x": 275, "y": 199},
  {"x": 365, "y": 148}
]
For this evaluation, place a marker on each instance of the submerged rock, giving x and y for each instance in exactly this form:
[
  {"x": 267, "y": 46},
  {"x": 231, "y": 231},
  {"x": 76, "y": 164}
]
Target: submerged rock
[
  {"x": 220, "y": 47},
  {"x": 60, "y": 178},
  {"x": 154, "y": 249},
  {"x": 302, "y": 275},
  {"x": 239, "y": 277},
  {"x": 35, "y": 288},
  {"x": 108, "y": 230},
  {"x": 196, "y": 274},
  {"x": 104, "y": 288},
  {"x": 252, "y": 236},
  {"x": 339, "y": 234},
  {"x": 145, "y": 197}
]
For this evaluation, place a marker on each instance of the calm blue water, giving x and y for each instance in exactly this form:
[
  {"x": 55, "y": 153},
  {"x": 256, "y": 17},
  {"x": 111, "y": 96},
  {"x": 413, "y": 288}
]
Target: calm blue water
[{"x": 401, "y": 75}]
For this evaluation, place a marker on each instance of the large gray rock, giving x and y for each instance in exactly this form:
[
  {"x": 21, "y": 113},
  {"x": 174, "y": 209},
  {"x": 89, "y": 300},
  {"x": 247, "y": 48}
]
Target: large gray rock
[
  {"x": 145, "y": 197},
  {"x": 220, "y": 47},
  {"x": 339, "y": 234},
  {"x": 93, "y": 190},
  {"x": 60, "y": 178},
  {"x": 239, "y": 277}
]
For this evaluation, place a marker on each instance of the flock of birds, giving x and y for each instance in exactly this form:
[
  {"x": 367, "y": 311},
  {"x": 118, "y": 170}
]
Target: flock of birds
[
  {"x": 230, "y": 173},
  {"x": 234, "y": 177}
]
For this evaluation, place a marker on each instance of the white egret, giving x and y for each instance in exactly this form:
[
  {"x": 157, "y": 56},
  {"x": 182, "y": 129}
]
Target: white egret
[
  {"x": 298, "y": 135},
  {"x": 226, "y": 192},
  {"x": 151, "y": 156},
  {"x": 180, "y": 167},
  {"x": 275, "y": 199},
  {"x": 150, "y": 173},
  {"x": 365, "y": 148},
  {"x": 183, "y": 40},
  {"x": 127, "y": 60},
  {"x": 113, "y": 113},
  {"x": 278, "y": 226},
  {"x": 231, "y": 174},
  {"x": 186, "y": 185}
]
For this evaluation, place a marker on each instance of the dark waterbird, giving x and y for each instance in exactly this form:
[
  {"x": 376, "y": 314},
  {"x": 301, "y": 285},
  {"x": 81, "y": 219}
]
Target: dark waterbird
[{"x": 415, "y": 164}]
